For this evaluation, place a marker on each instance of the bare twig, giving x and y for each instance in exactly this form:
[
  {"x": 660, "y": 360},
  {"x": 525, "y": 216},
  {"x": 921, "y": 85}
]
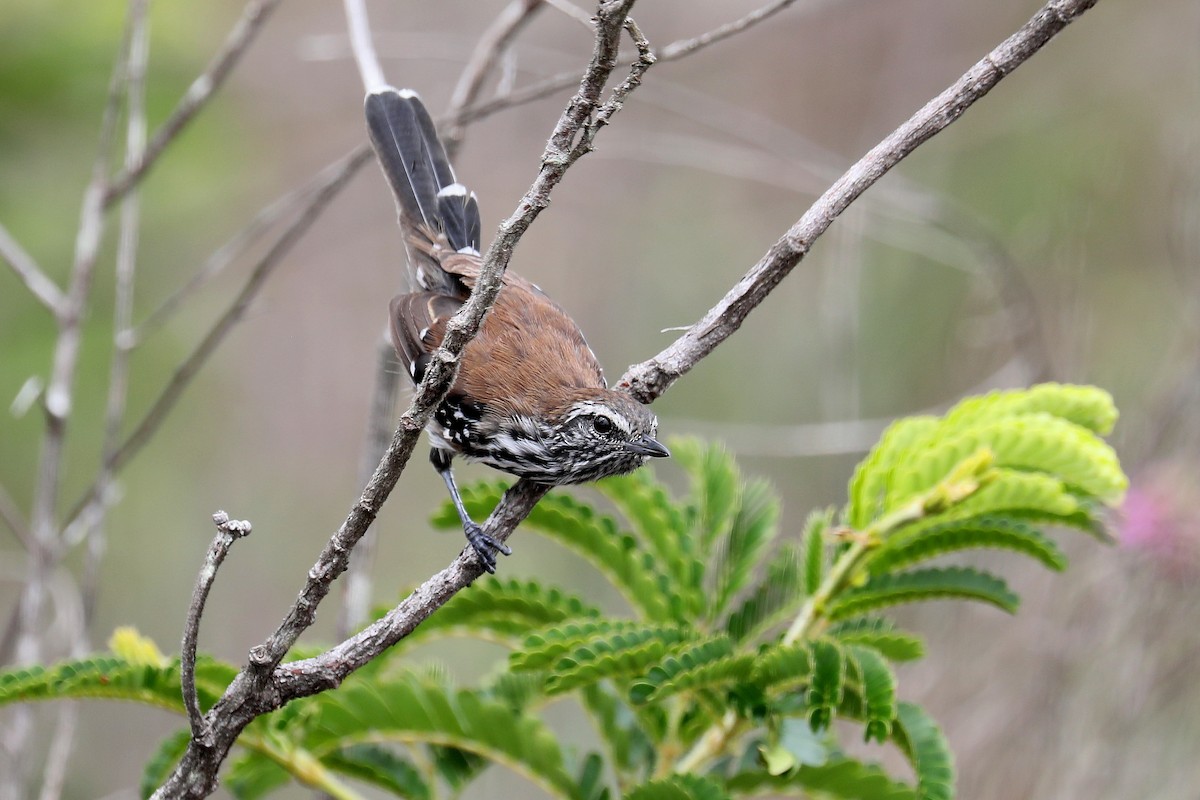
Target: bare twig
[
  {"x": 142, "y": 432},
  {"x": 222, "y": 257},
  {"x": 127, "y": 246},
  {"x": 228, "y": 532},
  {"x": 673, "y": 51},
  {"x": 487, "y": 53},
  {"x": 684, "y": 47},
  {"x": 16, "y": 522},
  {"x": 197, "y": 95},
  {"x": 356, "y": 596},
  {"x": 60, "y": 388},
  {"x": 364, "y": 50},
  {"x": 44, "y": 290}
]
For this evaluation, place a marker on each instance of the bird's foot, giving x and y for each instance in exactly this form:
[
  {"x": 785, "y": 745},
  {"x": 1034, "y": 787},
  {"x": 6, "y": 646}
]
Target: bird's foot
[{"x": 485, "y": 545}]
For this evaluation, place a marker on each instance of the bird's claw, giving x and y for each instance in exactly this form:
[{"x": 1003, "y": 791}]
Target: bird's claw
[{"x": 485, "y": 545}]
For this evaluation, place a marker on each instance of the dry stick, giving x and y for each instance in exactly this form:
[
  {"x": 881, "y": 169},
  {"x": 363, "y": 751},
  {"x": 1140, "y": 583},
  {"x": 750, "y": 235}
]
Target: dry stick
[
  {"x": 127, "y": 251},
  {"x": 228, "y": 532},
  {"x": 26, "y": 631},
  {"x": 223, "y": 256},
  {"x": 673, "y": 51},
  {"x": 11, "y": 514},
  {"x": 197, "y": 95},
  {"x": 186, "y": 371},
  {"x": 356, "y": 591},
  {"x": 256, "y": 690},
  {"x": 487, "y": 53},
  {"x": 59, "y": 390},
  {"x": 43, "y": 289}
]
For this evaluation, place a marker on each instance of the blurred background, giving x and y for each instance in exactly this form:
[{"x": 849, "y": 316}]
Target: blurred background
[{"x": 1053, "y": 233}]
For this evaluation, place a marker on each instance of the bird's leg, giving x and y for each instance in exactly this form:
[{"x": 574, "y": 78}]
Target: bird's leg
[{"x": 484, "y": 545}]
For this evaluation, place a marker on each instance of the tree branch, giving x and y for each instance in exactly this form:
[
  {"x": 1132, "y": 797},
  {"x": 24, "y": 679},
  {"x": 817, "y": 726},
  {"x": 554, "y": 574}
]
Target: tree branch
[
  {"x": 228, "y": 532},
  {"x": 491, "y": 46},
  {"x": 145, "y": 429},
  {"x": 197, "y": 95},
  {"x": 44, "y": 290}
]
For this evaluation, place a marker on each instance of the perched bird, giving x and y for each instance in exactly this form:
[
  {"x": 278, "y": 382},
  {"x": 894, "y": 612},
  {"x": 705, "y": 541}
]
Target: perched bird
[{"x": 530, "y": 397}]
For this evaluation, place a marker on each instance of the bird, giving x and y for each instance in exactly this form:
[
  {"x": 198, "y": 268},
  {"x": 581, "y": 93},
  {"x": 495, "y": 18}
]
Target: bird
[{"x": 530, "y": 397}]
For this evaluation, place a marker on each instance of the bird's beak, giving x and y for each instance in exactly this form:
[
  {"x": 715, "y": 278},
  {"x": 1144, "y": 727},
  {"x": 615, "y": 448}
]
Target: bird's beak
[{"x": 649, "y": 446}]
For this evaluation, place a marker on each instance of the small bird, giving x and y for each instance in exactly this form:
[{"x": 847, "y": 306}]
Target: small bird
[{"x": 530, "y": 397}]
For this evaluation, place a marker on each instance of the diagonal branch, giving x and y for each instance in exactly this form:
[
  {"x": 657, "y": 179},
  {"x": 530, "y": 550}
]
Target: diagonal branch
[
  {"x": 36, "y": 281},
  {"x": 197, "y": 95}
]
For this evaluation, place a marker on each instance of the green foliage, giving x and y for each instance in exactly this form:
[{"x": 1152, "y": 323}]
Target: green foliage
[{"x": 740, "y": 650}]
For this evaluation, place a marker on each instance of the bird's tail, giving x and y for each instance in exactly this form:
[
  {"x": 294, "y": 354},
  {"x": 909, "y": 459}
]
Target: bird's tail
[{"x": 430, "y": 199}]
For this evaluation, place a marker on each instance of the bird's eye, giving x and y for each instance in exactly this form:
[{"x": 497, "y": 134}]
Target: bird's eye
[{"x": 603, "y": 425}]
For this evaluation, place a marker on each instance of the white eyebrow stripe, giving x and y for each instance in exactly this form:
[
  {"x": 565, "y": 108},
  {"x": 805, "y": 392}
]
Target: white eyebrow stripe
[{"x": 587, "y": 407}]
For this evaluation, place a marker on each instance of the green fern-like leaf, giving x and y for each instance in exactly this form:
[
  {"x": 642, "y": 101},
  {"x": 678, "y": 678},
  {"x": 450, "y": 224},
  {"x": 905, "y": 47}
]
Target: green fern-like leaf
[
  {"x": 716, "y": 488},
  {"x": 661, "y": 526},
  {"x": 880, "y": 635},
  {"x": 828, "y": 682},
  {"x": 702, "y": 665},
  {"x": 253, "y": 775},
  {"x": 891, "y": 589},
  {"x": 504, "y": 611},
  {"x": 813, "y": 546},
  {"x": 782, "y": 664},
  {"x": 679, "y": 787},
  {"x": 773, "y": 600},
  {"x": 739, "y": 551},
  {"x": 923, "y": 742},
  {"x": 870, "y": 486},
  {"x": 617, "y": 655},
  {"x": 842, "y": 778},
  {"x": 1038, "y": 442},
  {"x": 626, "y": 738},
  {"x": 922, "y": 543},
  {"x": 542, "y": 648},
  {"x": 878, "y": 691},
  {"x": 378, "y": 766},
  {"x": 410, "y": 709},
  {"x": 1086, "y": 406},
  {"x": 113, "y": 678}
]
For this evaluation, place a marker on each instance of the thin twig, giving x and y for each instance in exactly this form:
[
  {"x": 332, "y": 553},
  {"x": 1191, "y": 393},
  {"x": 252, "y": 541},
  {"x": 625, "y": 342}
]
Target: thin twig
[
  {"x": 60, "y": 388},
  {"x": 126, "y": 269},
  {"x": 356, "y": 594},
  {"x": 44, "y": 290},
  {"x": 684, "y": 47},
  {"x": 225, "y": 255},
  {"x": 673, "y": 51},
  {"x": 228, "y": 532},
  {"x": 197, "y": 95},
  {"x": 362, "y": 47},
  {"x": 15, "y": 521},
  {"x": 162, "y": 405},
  {"x": 492, "y": 45}
]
